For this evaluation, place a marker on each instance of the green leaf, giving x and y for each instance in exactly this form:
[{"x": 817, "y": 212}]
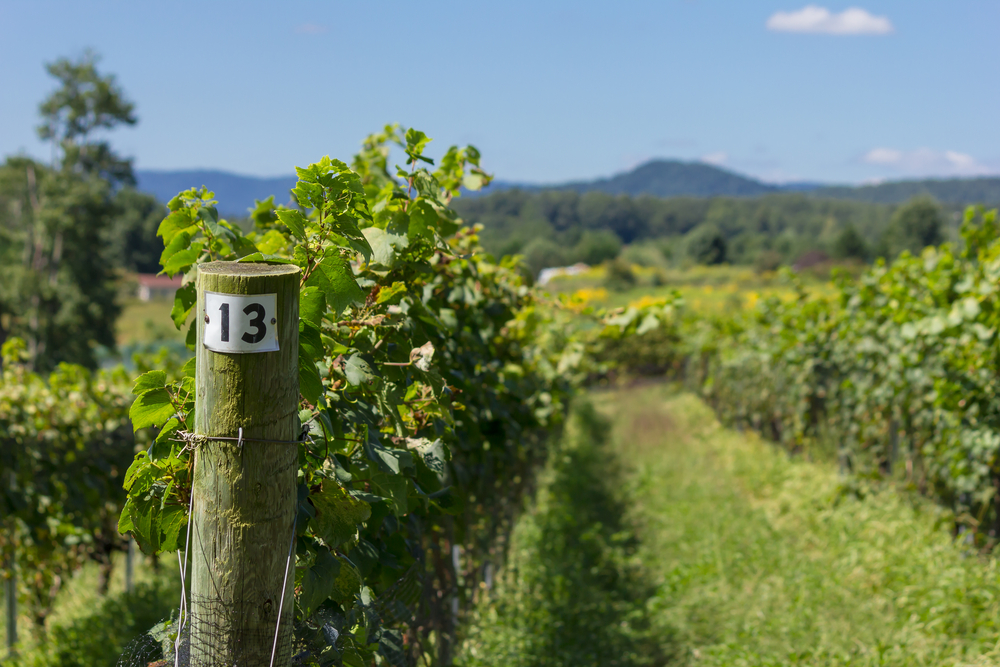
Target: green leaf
[
  {"x": 310, "y": 384},
  {"x": 319, "y": 582},
  {"x": 391, "y": 460},
  {"x": 180, "y": 242},
  {"x": 180, "y": 261},
  {"x": 172, "y": 225},
  {"x": 312, "y": 306},
  {"x": 384, "y": 245},
  {"x": 310, "y": 340},
  {"x": 173, "y": 519},
  {"x": 338, "y": 515},
  {"x": 295, "y": 222},
  {"x": 150, "y": 380},
  {"x": 416, "y": 141},
  {"x": 389, "y": 294},
  {"x": 125, "y": 520},
  {"x": 396, "y": 489},
  {"x": 192, "y": 335},
  {"x": 141, "y": 475},
  {"x": 335, "y": 279},
  {"x": 358, "y": 372},
  {"x": 473, "y": 181},
  {"x": 152, "y": 408},
  {"x": 162, "y": 447},
  {"x": 184, "y": 301}
]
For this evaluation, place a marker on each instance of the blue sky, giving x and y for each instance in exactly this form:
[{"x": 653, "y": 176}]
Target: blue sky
[{"x": 549, "y": 91}]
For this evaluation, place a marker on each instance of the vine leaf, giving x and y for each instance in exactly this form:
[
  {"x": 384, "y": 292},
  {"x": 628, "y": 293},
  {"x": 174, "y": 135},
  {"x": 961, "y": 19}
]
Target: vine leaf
[
  {"x": 150, "y": 380},
  {"x": 358, "y": 372},
  {"x": 151, "y": 408},
  {"x": 335, "y": 279},
  {"x": 337, "y": 514},
  {"x": 295, "y": 222},
  {"x": 312, "y": 305},
  {"x": 184, "y": 301}
]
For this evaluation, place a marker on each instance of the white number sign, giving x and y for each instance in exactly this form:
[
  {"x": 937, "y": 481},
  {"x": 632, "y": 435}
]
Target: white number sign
[{"x": 240, "y": 323}]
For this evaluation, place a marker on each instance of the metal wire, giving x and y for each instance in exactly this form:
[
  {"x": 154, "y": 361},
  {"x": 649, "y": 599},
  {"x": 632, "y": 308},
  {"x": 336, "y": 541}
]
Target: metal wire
[
  {"x": 284, "y": 584},
  {"x": 183, "y": 611}
]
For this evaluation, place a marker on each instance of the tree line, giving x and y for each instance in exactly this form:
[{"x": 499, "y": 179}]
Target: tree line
[{"x": 559, "y": 227}]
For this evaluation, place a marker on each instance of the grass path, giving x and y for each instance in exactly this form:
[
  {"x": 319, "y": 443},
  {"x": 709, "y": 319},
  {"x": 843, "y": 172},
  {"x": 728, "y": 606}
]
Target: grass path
[
  {"x": 759, "y": 560},
  {"x": 659, "y": 537}
]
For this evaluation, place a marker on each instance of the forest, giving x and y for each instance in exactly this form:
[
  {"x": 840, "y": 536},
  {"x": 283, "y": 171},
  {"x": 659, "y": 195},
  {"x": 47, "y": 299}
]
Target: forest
[
  {"x": 691, "y": 453},
  {"x": 557, "y": 228}
]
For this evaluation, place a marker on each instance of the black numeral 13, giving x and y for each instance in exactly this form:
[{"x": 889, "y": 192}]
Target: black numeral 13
[{"x": 256, "y": 322}]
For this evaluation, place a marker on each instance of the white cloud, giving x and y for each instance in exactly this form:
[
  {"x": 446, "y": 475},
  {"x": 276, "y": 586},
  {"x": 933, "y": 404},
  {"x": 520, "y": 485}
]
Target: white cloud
[
  {"x": 718, "y": 159},
  {"x": 311, "y": 29},
  {"x": 815, "y": 19},
  {"x": 928, "y": 162},
  {"x": 883, "y": 156}
]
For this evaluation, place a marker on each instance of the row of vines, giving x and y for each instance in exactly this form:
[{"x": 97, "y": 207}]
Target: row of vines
[
  {"x": 431, "y": 378},
  {"x": 897, "y": 375}
]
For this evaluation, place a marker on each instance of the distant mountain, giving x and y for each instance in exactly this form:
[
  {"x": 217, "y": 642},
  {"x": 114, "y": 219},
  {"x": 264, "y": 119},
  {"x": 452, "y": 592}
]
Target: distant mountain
[
  {"x": 955, "y": 191},
  {"x": 658, "y": 178},
  {"x": 235, "y": 193},
  {"x": 673, "y": 178}
]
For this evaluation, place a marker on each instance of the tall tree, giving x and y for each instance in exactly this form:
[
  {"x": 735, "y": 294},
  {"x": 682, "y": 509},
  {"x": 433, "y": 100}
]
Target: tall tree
[
  {"x": 85, "y": 103},
  {"x": 915, "y": 225},
  {"x": 57, "y": 280}
]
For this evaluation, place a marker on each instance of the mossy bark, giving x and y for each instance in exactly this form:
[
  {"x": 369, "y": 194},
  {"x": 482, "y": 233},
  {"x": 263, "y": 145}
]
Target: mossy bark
[{"x": 245, "y": 496}]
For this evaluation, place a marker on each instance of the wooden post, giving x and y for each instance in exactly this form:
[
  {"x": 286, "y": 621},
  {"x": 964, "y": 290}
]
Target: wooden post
[
  {"x": 10, "y": 599},
  {"x": 244, "y": 494}
]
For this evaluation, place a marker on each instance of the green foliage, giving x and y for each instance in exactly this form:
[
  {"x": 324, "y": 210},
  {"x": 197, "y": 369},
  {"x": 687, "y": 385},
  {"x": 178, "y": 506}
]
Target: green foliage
[
  {"x": 132, "y": 238},
  {"x": 426, "y": 384},
  {"x": 100, "y": 637},
  {"x": 596, "y": 247},
  {"x": 896, "y": 375},
  {"x": 914, "y": 226},
  {"x": 850, "y": 244},
  {"x": 86, "y": 101},
  {"x": 57, "y": 286},
  {"x": 786, "y": 224},
  {"x": 706, "y": 244},
  {"x": 641, "y": 340},
  {"x": 64, "y": 445},
  {"x": 619, "y": 275}
]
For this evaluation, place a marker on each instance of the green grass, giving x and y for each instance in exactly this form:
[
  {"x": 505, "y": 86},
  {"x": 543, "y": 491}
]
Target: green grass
[
  {"x": 146, "y": 322},
  {"x": 667, "y": 539},
  {"x": 573, "y": 591},
  {"x": 763, "y": 560},
  {"x": 86, "y": 629}
]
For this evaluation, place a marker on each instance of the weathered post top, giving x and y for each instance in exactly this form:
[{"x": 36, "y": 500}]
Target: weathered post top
[{"x": 247, "y": 378}]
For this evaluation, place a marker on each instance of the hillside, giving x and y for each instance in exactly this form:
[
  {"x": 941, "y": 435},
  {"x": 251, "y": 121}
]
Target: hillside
[
  {"x": 673, "y": 178},
  {"x": 956, "y": 191}
]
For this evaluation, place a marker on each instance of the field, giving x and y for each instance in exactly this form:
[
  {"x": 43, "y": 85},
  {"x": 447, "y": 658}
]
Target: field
[
  {"x": 706, "y": 290},
  {"x": 146, "y": 322}
]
